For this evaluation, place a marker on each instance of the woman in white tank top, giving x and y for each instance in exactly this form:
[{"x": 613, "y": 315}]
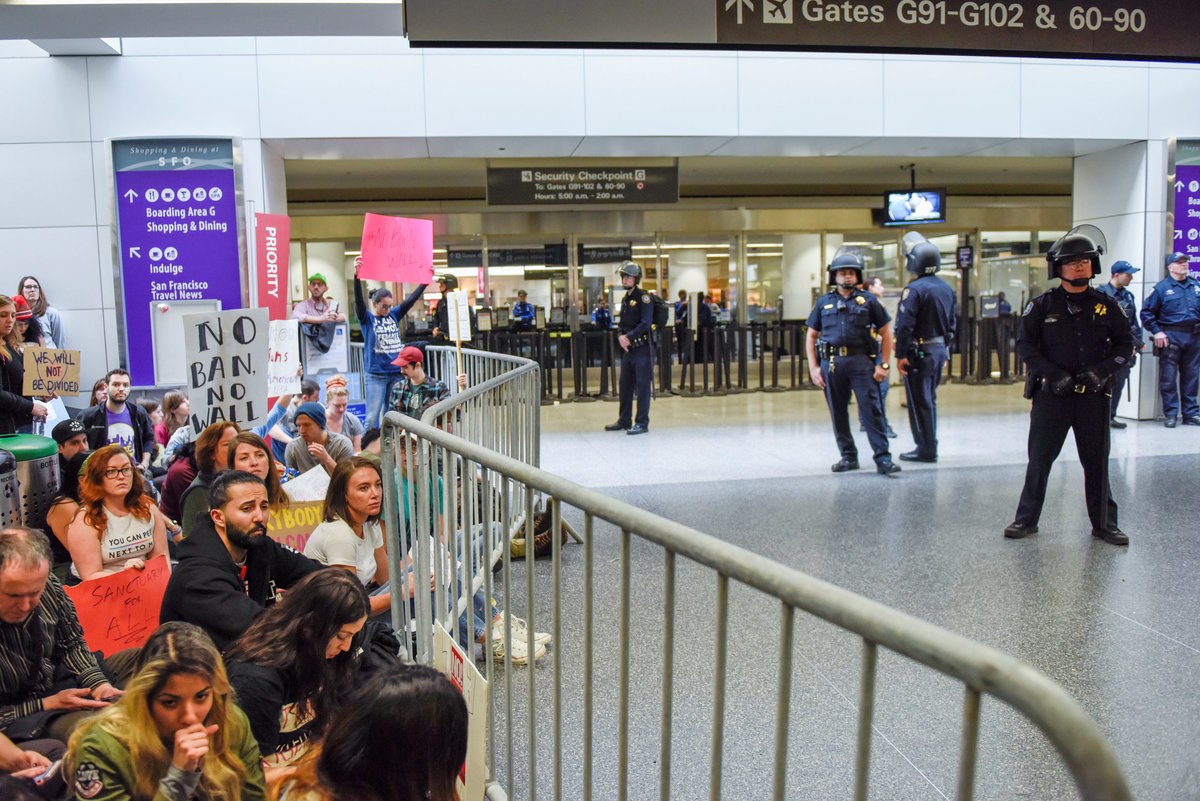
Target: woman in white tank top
[{"x": 118, "y": 526}]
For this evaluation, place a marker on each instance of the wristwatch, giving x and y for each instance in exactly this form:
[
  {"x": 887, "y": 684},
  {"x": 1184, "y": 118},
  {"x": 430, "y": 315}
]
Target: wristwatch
[{"x": 885, "y": 365}]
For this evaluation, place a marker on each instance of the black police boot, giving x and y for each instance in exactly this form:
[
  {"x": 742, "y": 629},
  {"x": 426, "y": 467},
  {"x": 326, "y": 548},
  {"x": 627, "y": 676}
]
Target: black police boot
[
  {"x": 1113, "y": 535},
  {"x": 640, "y": 428},
  {"x": 616, "y": 427},
  {"x": 844, "y": 465},
  {"x": 1017, "y": 531},
  {"x": 915, "y": 456},
  {"x": 886, "y": 468},
  {"x": 1115, "y": 423}
]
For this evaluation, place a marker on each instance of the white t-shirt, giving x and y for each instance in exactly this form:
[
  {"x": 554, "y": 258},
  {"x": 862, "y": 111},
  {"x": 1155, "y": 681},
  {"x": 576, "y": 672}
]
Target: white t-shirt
[
  {"x": 125, "y": 538},
  {"x": 335, "y": 543}
]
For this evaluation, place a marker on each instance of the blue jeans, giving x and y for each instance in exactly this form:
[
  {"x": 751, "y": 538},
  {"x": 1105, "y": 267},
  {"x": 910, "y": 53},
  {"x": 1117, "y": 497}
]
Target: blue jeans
[{"x": 377, "y": 388}]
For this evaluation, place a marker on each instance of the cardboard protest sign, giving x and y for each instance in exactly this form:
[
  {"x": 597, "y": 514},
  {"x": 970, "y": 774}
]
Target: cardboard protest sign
[
  {"x": 450, "y": 659},
  {"x": 308, "y": 486},
  {"x": 227, "y": 366},
  {"x": 120, "y": 611},
  {"x": 458, "y": 316},
  {"x": 292, "y": 524},
  {"x": 50, "y": 370},
  {"x": 283, "y": 358},
  {"x": 397, "y": 249}
]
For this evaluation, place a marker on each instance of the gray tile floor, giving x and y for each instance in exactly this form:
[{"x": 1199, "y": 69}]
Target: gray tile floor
[{"x": 1116, "y": 627}]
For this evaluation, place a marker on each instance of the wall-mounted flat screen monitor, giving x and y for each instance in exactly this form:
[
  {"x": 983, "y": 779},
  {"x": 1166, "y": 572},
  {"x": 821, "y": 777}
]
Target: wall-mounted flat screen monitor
[{"x": 914, "y": 207}]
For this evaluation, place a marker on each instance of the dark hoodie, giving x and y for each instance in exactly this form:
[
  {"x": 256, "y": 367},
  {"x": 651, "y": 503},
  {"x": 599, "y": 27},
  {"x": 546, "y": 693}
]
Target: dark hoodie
[{"x": 207, "y": 588}]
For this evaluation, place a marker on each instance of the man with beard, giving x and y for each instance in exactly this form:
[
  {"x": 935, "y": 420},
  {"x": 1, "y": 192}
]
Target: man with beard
[
  {"x": 119, "y": 421},
  {"x": 229, "y": 570}
]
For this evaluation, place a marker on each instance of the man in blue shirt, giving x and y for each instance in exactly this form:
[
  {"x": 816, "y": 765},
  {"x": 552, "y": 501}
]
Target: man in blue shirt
[
  {"x": 602, "y": 317},
  {"x": 1122, "y": 274},
  {"x": 522, "y": 312},
  {"x": 1172, "y": 314}
]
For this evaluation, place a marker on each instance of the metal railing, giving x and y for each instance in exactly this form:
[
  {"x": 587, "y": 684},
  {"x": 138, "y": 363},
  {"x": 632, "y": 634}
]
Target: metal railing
[{"x": 500, "y": 494}]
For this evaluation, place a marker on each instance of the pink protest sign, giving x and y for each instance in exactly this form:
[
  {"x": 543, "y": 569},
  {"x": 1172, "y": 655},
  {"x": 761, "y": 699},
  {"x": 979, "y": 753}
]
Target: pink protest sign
[{"x": 397, "y": 249}]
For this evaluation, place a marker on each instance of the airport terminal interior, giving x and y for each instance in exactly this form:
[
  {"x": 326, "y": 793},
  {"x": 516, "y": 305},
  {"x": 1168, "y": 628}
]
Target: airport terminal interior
[{"x": 764, "y": 185}]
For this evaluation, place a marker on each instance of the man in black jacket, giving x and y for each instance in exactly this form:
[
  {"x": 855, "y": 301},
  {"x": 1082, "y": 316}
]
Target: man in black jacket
[
  {"x": 229, "y": 570},
  {"x": 119, "y": 422}
]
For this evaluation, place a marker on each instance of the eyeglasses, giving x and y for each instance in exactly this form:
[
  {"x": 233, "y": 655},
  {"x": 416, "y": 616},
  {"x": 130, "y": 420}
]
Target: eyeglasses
[{"x": 114, "y": 472}]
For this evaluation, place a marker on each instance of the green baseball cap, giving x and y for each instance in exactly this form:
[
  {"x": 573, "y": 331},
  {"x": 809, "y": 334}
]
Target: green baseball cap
[{"x": 317, "y": 277}]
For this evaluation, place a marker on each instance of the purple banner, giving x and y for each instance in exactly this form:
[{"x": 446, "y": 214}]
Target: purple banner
[
  {"x": 177, "y": 224},
  {"x": 1186, "y": 238}
]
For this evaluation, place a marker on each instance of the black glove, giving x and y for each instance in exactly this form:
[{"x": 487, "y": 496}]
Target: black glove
[
  {"x": 1090, "y": 379},
  {"x": 1061, "y": 383}
]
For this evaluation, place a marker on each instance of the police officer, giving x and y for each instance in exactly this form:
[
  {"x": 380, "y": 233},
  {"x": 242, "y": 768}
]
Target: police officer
[
  {"x": 637, "y": 366},
  {"x": 601, "y": 316},
  {"x": 1072, "y": 339},
  {"x": 522, "y": 312},
  {"x": 925, "y": 324},
  {"x": 846, "y": 320},
  {"x": 441, "y": 313},
  {"x": 1122, "y": 274},
  {"x": 1172, "y": 314}
]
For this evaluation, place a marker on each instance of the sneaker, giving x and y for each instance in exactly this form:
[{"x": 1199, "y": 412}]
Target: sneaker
[
  {"x": 520, "y": 650},
  {"x": 519, "y": 629}
]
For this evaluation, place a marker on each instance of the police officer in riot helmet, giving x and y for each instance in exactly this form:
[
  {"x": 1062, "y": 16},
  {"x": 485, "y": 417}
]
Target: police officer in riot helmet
[
  {"x": 441, "y": 317},
  {"x": 844, "y": 330},
  {"x": 637, "y": 365},
  {"x": 925, "y": 325},
  {"x": 1072, "y": 338}
]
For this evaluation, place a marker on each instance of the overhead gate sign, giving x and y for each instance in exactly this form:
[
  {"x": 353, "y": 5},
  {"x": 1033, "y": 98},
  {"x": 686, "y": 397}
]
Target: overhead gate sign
[{"x": 1124, "y": 29}]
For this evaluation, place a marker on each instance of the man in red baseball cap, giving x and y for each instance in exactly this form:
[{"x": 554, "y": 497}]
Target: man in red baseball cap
[{"x": 416, "y": 389}]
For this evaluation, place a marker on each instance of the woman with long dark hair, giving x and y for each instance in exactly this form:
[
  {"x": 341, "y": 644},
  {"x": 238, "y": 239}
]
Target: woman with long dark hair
[
  {"x": 402, "y": 736},
  {"x": 118, "y": 525},
  {"x": 16, "y": 410},
  {"x": 294, "y": 664},
  {"x": 175, "y": 733},
  {"x": 47, "y": 316},
  {"x": 176, "y": 408},
  {"x": 250, "y": 452}
]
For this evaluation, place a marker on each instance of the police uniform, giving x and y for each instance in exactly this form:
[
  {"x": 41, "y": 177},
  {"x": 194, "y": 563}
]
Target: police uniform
[
  {"x": 522, "y": 314},
  {"x": 1072, "y": 343},
  {"x": 602, "y": 318},
  {"x": 925, "y": 325},
  {"x": 846, "y": 350},
  {"x": 1125, "y": 300},
  {"x": 1173, "y": 308},
  {"x": 637, "y": 365}
]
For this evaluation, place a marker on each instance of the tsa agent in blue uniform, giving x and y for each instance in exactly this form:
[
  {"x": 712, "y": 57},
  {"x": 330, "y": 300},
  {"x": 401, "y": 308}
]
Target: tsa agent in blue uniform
[
  {"x": 381, "y": 342},
  {"x": 601, "y": 316},
  {"x": 522, "y": 312},
  {"x": 845, "y": 321},
  {"x": 1172, "y": 314},
  {"x": 925, "y": 324},
  {"x": 1122, "y": 274},
  {"x": 637, "y": 365},
  {"x": 1072, "y": 339}
]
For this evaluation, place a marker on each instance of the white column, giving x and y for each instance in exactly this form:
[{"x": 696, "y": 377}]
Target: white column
[
  {"x": 1123, "y": 193},
  {"x": 802, "y": 272}
]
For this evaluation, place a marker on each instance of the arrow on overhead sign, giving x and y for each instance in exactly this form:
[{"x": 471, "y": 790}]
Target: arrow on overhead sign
[
  {"x": 1178, "y": 186},
  {"x": 130, "y": 195},
  {"x": 1178, "y": 234},
  {"x": 749, "y": 4},
  {"x": 135, "y": 253}
]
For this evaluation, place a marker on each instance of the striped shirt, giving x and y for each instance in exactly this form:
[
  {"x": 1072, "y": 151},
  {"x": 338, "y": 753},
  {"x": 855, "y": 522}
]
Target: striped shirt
[{"x": 31, "y": 651}]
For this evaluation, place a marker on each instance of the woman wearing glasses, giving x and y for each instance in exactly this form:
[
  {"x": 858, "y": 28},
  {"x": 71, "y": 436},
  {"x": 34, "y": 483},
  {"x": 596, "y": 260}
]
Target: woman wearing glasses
[
  {"x": 43, "y": 312},
  {"x": 117, "y": 526}
]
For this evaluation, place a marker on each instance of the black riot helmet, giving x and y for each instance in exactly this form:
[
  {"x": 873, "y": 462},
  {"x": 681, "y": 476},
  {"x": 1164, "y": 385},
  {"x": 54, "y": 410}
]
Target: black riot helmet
[
  {"x": 450, "y": 281},
  {"x": 923, "y": 256},
  {"x": 630, "y": 268},
  {"x": 847, "y": 257},
  {"x": 1081, "y": 242}
]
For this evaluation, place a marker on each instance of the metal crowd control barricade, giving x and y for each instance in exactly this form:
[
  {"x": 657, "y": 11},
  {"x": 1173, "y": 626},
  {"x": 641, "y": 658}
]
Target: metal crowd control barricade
[{"x": 496, "y": 495}]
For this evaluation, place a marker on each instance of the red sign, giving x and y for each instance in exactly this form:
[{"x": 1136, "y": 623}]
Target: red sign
[
  {"x": 121, "y": 610},
  {"x": 397, "y": 249},
  {"x": 273, "y": 236}
]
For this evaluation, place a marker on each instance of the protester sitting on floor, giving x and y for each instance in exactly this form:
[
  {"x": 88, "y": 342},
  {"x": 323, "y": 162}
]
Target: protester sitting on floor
[
  {"x": 337, "y": 419},
  {"x": 351, "y": 535},
  {"x": 176, "y": 414},
  {"x": 371, "y": 444},
  {"x": 47, "y": 670},
  {"x": 180, "y": 475},
  {"x": 401, "y": 736},
  {"x": 212, "y": 459},
  {"x": 118, "y": 526},
  {"x": 72, "y": 450},
  {"x": 294, "y": 665},
  {"x": 251, "y": 453},
  {"x": 175, "y": 735},
  {"x": 27, "y": 761},
  {"x": 187, "y": 433},
  {"x": 315, "y": 446},
  {"x": 118, "y": 421},
  {"x": 229, "y": 570}
]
